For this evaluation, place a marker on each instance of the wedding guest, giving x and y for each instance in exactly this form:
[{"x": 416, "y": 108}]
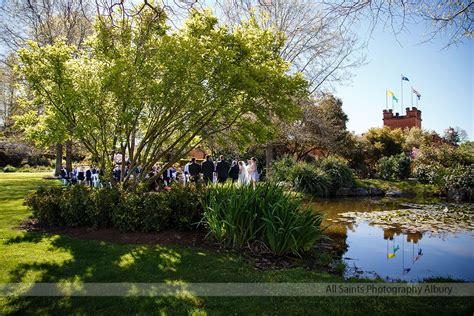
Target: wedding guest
[
  {"x": 63, "y": 175},
  {"x": 208, "y": 169},
  {"x": 194, "y": 169},
  {"x": 222, "y": 170},
  {"x": 80, "y": 175},
  {"x": 252, "y": 170},
  {"x": 89, "y": 177},
  {"x": 234, "y": 171}
]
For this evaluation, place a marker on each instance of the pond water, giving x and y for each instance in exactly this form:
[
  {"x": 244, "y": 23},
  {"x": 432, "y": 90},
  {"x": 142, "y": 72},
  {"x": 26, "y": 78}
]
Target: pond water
[{"x": 402, "y": 239}]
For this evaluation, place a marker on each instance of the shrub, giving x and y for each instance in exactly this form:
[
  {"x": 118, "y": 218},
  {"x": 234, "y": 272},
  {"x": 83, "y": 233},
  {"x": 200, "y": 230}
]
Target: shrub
[
  {"x": 45, "y": 204},
  {"x": 241, "y": 215},
  {"x": 127, "y": 210},
  {"x": 339, "y": 173},
  {"x": 156, "y": 212},
  {"x": 184, "y": 202},
  {"x": 75, "y": 204},
  {"x": 128, "y": 214},
  {"x": 38, "y": 160},
  {"x": 280, "y": 169},
  {"x": 458, "y": 178},
  {"x": 9, "y": 168},
  {"x": 104, "y": 202},
  {"x": 394, "y": 167},
  {"x": 309, "y": 179},
  {"x": 430, "y": 174}
]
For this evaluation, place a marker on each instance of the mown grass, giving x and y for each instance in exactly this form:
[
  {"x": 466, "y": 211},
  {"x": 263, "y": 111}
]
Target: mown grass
[{"x": 38, "y": 257}]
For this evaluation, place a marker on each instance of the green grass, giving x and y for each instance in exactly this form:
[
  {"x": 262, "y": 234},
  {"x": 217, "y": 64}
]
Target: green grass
[
  {"x": 36, "y": 257},
  {"x": 418, "y": 189}
]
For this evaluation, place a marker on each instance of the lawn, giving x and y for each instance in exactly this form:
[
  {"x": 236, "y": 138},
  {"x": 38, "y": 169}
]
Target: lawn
[{"x": 38, "y": 257}]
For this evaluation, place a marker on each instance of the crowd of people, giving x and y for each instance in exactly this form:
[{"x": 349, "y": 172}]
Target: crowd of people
[
  {"x": 208, "y": 171},
  {"x": 221, "y": 171},
  {"x": 81, "y": 175}
]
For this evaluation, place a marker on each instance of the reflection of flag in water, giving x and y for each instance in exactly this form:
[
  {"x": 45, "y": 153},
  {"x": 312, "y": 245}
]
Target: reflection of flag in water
[
  {"x": 395, "y": 248},
  {"x": 420, "y": 254}
]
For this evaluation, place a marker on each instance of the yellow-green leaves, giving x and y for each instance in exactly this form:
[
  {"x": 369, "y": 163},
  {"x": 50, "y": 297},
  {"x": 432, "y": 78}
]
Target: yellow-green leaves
[{"x": 154, "y": 94}]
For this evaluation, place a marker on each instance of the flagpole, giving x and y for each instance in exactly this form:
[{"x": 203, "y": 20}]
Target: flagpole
[
  {"x": 411, "y": 96},
  {"x": 386, "y": 100},
  {"x": 401, "y": 86}
]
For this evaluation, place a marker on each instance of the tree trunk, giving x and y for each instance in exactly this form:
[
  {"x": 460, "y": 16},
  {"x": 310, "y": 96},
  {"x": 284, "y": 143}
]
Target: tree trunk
[
  {"x": 59, "y": 159},
  {"x": 269, "y": 154},
  {"x": 69, "y": 155}
]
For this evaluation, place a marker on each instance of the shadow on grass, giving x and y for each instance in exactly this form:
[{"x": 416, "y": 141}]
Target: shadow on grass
[
  {"x": 71, "y": 260},
  {"x": 68, "y": 260}
]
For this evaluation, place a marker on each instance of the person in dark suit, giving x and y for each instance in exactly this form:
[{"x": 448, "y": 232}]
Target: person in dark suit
[
  {"x": 234, "y": 171},
  {"x": 194, "y": 169},
  {"x": 81, "y": 175},
  {"x": 208, "y": 169},
  {"x": 89, "y": 177},
  {"x": 222, "y": 170}
]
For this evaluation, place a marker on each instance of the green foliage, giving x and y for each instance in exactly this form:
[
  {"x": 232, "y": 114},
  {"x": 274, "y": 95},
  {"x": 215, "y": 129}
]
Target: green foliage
[
  {"x": 385, "y": 142},
  {"x": 165, "y": 90},
  {"x": 289, "y": 229},
  {"x": 311, "y": 180},
  {"x": 431, "y": 174},
  {"x": 128, "y": 210},
  {"x": 241, "y": 215},
  {"x": 104, "y": 202},
  {"x": 339, "y": 173},
  {"x": 9, "y": 168},
  {"x": 45, "y": 203},
  {"x": 321, "y": 178},
  {"x": 394, "y": 167},
  {"x": 445, "y": 155},
  {"x": 184, "y": 201},
  {"x": 458, "y": 178},
  {"x": 156, "y": 212},
  {"x": 128, "y": 215},
  {"x": 280, "y": 169},
  {"x": 74, "y": 203}
]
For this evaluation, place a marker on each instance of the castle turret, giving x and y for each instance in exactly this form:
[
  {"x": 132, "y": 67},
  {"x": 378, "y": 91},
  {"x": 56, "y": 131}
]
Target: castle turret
[{"x": 412, "y": 118}]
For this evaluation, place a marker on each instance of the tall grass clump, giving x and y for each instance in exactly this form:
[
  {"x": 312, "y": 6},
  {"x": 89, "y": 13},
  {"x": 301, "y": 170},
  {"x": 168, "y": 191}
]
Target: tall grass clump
[
  {"x": 239, "y": 216},
  {"x": 310, "y": 179}
]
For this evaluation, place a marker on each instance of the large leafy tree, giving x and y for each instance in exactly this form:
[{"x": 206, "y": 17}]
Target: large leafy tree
[
  {"x": 321, "y": 127},
  {"x": 151, "y": 94}
]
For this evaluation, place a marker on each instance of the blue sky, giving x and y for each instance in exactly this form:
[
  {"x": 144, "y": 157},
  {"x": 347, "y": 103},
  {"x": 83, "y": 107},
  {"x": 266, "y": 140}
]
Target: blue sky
[{"x": 444, "y": 78}]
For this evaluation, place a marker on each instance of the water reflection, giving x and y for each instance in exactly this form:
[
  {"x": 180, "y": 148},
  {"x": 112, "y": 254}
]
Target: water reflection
[{"x": 393, "y": 253}]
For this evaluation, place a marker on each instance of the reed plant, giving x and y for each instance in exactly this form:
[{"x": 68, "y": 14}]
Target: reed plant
[{"x": 241, "y": 215}]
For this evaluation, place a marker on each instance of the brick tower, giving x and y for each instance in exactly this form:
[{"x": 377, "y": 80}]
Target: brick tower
[{"x": 412, "y": 118}]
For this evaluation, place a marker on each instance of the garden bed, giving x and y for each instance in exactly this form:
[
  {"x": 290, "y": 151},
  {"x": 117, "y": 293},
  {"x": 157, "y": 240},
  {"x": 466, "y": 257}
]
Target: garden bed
[{"x": 325, "y": 257}]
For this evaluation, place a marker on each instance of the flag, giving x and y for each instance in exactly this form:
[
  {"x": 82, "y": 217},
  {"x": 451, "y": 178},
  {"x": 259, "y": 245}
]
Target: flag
[
  {"x": 391, "y": 255},
  {"x": 405, "y": 78},
  {"x": 390, "y": 93},
  {"x": 418, "y": 95},
  {"x": 395, "y": 248},
  {"x": 394, "y": 98}
]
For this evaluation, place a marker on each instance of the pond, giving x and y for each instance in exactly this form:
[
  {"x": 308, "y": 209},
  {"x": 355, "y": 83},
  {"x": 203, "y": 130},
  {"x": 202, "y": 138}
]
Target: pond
[{"x": 402, "y": 239}]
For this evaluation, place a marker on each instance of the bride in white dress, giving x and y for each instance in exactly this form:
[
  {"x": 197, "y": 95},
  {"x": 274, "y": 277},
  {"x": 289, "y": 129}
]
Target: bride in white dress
[{"x": 243, "y": 173}]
